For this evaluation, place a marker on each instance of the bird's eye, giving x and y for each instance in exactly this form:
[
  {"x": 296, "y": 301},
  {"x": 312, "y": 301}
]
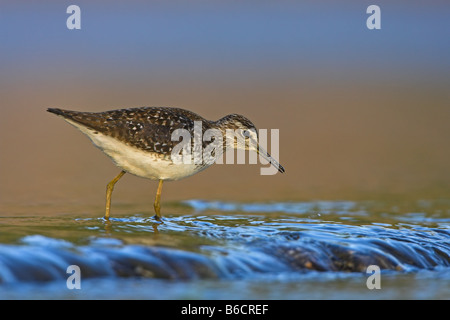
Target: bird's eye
[{"x": 246, "y": 133}]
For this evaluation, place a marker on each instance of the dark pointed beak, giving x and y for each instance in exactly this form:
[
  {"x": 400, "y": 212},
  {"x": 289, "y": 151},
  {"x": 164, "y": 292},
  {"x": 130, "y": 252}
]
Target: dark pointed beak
[{"x": 269, "y": 158}]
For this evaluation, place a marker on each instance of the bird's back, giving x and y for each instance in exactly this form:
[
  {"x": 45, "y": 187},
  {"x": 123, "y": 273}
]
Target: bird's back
[{"x": 147, "y": 128}]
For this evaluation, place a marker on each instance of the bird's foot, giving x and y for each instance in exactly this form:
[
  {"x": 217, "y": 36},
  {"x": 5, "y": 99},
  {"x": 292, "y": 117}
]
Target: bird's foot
[{"x": 157, "y": 218}]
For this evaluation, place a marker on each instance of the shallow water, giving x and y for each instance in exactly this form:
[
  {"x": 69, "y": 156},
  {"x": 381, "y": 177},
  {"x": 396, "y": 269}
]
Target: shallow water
[{"x": 224, "y": 250}]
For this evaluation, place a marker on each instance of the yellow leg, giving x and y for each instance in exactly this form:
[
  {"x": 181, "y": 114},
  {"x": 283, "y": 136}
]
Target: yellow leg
[
  {"x": 109, "y": 190},
  {"x": 157, "y": 204}
]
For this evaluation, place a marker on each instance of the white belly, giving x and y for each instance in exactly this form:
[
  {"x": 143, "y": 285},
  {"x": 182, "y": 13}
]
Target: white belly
[{"x": 136, "y": 161}]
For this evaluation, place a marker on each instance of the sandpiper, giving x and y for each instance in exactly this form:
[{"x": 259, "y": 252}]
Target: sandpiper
[{"x": 139, "y": 141}]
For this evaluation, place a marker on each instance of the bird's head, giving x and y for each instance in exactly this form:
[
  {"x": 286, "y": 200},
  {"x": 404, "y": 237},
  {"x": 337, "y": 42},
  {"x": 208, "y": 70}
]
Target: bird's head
[{"x": 242, "y": 134}]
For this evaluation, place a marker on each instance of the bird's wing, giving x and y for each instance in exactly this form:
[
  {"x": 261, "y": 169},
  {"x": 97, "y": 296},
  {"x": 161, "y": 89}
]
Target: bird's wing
[{"x": 148, "y": 128}]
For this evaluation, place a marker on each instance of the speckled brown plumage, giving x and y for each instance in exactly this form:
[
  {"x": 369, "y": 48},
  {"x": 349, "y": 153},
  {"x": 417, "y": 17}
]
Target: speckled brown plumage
[
  {"x": 146, "y": 128},
  {"x": 150, "y": 128}
]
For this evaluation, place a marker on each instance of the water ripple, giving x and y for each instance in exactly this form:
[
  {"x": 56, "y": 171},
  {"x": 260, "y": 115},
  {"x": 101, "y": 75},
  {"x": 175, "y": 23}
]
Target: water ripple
[{"x": 250, "y": 241}]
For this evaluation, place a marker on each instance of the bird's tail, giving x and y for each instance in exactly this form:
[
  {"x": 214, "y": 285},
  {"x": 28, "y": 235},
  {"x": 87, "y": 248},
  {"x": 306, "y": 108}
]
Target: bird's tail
[
  {"x": 86, "y": 119},
  {"x": 59, "y": 112}
]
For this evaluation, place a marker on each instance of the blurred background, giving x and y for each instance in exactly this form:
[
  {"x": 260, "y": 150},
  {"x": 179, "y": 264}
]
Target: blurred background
[{"x": 362, "y": 114}]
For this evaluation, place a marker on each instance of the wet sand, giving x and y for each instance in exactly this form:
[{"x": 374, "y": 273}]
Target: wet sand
[{"x": 335, "y": 144}]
